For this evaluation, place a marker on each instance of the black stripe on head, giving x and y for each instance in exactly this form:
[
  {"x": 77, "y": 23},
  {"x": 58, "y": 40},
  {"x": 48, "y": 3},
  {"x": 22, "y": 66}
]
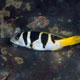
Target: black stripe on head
[
  {"x": 44, "y": 39},
  {"x": 25, "y": 37},
  {"x": 53, "y": 38},
  {"x": 17, "y": 36},
  {"x": 34, "y": 36}
]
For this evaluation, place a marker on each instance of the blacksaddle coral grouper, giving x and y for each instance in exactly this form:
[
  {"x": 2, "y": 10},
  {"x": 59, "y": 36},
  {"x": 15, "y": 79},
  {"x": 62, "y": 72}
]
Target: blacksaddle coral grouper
[{"x": 43, "y": 41}]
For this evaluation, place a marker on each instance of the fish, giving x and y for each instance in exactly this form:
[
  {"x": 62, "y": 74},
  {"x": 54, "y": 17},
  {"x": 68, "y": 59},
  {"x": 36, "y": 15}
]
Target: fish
[{"x": 43, "y": 41}]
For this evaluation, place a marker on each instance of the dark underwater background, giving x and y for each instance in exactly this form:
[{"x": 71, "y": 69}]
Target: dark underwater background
[{"x": 60, "y": 17}]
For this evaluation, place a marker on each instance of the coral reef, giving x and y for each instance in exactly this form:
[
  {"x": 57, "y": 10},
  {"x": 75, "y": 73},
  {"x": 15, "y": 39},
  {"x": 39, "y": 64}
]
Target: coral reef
[
  {"x": 18, "y": 60},
  {"x": 60, "y": 17},
  {"x": 40, "y": 21}
]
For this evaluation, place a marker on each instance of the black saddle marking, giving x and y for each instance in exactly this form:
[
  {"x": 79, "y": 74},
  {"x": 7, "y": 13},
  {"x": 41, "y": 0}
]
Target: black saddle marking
[
  {"x": 44, "y": 39},
  {"x": 31, "y": 45},
  {"x": 34, "y": 36},
  {"x": 25, "y": 37}
]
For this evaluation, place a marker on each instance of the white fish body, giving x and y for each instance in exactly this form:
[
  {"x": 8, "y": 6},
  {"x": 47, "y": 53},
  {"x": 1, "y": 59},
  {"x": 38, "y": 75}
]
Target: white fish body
[{"x": 36, "y": 40}]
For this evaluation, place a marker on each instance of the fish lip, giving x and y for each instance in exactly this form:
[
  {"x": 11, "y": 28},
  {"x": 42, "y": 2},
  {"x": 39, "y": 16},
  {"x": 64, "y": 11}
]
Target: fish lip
[{"x": 12, "y": 40}]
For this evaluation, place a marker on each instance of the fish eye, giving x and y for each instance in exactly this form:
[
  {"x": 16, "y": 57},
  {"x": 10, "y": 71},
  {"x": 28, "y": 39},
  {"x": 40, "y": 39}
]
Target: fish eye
[{"x": 17, "y": 38}]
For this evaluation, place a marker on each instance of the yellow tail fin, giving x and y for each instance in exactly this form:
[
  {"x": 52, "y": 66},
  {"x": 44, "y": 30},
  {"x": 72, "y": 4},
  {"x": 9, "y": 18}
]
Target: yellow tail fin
[{"x": 70, "y": 41}]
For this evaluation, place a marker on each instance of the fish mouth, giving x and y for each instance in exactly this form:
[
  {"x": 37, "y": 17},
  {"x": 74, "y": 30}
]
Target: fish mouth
[{"x": 12, "y": 40}]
